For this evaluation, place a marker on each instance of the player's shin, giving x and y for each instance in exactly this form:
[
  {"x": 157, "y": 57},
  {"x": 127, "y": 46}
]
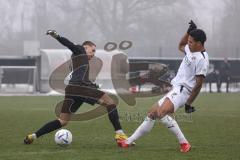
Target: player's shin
[
  {"x": 48, "y": 127},
  {"x": 172, "y": 125},
  {"x": 144, "y": 128},
  {"x": 114, "y": 117}
]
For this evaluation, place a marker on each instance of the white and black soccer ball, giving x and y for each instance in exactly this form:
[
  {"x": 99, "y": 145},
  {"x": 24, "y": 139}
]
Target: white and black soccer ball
[{"x": 63, "y": 137}]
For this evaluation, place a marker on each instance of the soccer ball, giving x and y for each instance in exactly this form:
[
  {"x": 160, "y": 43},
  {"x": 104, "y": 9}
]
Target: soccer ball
[{"x": 63, "y": 137}]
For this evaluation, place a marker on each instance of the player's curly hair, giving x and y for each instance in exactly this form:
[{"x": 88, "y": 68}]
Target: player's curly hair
[{"x": 198, "y": 35}]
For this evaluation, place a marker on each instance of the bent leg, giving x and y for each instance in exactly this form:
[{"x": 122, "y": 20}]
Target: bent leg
[
  {"x": 162, "y": 113},
  {"x": 53, "y": 125},
  {"x": 111, "y": 107}
]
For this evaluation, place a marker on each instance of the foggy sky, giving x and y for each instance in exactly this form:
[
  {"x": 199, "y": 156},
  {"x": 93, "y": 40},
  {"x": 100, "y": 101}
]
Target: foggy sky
[{"x": 154, "y": 26}]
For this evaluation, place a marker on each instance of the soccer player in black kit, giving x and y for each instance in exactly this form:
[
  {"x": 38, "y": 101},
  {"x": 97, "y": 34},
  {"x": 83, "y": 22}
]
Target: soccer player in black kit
[{"x": 79, "y": 90}]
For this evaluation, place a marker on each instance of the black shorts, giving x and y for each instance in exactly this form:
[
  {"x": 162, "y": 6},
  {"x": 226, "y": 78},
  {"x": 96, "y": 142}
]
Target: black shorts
[{"x": 75, "y": 96}]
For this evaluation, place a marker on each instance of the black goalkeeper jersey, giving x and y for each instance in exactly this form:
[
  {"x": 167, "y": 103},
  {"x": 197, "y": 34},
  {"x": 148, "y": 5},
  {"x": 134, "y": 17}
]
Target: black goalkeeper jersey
[{"x": 80, "y": 64}]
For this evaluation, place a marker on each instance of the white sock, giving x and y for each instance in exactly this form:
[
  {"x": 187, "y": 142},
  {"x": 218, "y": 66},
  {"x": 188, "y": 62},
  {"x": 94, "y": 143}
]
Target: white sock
[
  {"x": 144, "y": 128},
  {"x": 34, "y": 136},
  {"x": 172, "y": 125},
  {"x": 119, "y": 131}
]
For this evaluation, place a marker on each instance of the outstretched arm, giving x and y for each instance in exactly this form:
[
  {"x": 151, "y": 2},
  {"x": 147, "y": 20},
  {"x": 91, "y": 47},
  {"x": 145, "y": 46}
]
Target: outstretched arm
[{"x": 64, "y": 41}]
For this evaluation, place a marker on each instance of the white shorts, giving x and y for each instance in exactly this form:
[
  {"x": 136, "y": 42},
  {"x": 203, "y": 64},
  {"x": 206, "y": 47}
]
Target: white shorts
[{"x": 176, "y": 96}]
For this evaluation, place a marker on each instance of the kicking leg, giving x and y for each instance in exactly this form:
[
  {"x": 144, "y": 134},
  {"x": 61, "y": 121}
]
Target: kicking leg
[
  {"x": 145, "y": 127},
  {"x": 55, "y": 124},
  {"x": 162, "y": 112},
  {"x": 48, "y": 127},
  {"x": 148, "y": 123}
]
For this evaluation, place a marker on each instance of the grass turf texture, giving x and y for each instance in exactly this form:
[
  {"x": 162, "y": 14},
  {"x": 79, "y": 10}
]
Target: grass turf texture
[{"x": 214, "y": 131}]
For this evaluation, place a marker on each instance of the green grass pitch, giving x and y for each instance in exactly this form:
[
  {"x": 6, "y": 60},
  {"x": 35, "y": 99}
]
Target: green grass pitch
[{"x": 213, "y": 130}]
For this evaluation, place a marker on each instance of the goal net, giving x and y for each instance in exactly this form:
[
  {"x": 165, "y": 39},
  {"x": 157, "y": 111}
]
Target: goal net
[{"x": 18, "y": 79}]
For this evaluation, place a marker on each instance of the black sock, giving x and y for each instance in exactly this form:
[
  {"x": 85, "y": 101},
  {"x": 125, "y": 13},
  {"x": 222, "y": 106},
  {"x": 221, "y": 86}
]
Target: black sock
[
  {"x": 113, "y": 116},
  {"x": 48, "y": 127}
]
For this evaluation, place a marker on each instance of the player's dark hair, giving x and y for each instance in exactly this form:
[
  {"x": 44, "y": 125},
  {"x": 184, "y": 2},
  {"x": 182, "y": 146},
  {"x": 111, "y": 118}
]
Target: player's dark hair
[
  {"x": 89, "y": 43},
  {"x": 198, "y": 35}
]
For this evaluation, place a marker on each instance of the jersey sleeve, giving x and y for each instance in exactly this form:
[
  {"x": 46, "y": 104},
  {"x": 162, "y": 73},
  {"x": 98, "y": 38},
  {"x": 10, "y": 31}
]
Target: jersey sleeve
[
  {"x": 74, "y": 48},
  {"x": 202, "y": 68}
]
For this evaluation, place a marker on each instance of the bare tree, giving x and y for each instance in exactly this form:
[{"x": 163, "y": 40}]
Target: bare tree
[
  {"x": 116, "y": 18},
  {"x": 13, "y": 24}
]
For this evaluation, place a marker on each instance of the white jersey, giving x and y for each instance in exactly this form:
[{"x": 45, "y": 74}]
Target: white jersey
[{"x": 193, "y": 64}]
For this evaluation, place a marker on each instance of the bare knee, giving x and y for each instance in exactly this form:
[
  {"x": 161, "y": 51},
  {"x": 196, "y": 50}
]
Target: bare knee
[
  {"x": 64, "y": 118},
  {"x": 159, "y": 111},
  {"x": 106, "y": 100},
  {"x": 63, "y": 122},
  {"x": 157, "y": 114}
]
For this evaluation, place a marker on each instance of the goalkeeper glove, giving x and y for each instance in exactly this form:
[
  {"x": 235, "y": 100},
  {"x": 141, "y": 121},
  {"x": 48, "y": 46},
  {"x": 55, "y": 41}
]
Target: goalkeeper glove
[
  {"x": 52, "y": 33},
  {"x": 192, "y": 26},
  {"x": 189, "y": 108}
]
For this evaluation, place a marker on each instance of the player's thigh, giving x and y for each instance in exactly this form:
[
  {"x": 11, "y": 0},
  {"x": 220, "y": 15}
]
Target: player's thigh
[
  {"x": 78, "y": 101},
  {"x": 106, "y": 100},
  {"x": 177, "y": 97},
  {"x": 92, "y": 95},
  {"x": 159, "y": 111}
]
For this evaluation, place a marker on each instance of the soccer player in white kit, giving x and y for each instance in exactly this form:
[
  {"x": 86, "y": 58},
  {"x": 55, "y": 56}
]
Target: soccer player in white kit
[{"x": 185, "y": 88}]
